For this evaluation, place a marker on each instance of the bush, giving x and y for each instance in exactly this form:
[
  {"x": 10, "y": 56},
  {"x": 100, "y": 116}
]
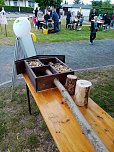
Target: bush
[{"x": 16, "y": 9}]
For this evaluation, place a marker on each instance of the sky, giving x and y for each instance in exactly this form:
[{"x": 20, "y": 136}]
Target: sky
[{"x": 84, "y": 1}]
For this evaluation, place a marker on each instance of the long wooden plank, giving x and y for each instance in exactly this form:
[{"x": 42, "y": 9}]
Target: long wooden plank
[
  {"x": 64, "y": 127},
  {"x": 101, "y": 122}
]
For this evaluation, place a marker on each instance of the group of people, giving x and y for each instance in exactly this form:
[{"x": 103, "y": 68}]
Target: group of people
[
  {"x": 104, "y": 18},
  {"x": 51, "y": 19},
  {"x": 98, "y": 21},
  {"x": 75, "y": 20}
]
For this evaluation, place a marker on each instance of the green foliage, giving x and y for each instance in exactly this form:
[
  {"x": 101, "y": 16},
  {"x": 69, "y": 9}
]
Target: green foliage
[
  {"x": 97, "y": 3},
  {"x": 105, "y": 10},
  {"x": 77, "y": 2},
  {"x": 107, "y": 3},
  {"x": 16, "y": 9},
  {"x": 104, "y": 7},
  {"x": 1, "y": 2},
  {"x": 45, "y": 3}
]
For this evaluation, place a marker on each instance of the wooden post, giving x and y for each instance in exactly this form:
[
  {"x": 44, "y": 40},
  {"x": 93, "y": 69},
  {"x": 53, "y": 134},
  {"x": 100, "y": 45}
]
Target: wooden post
[
  {"x": 71, "y": 83},
  {"x": 86, "y": 128},
  {"x": 82, "y": 92},
  {"x": 1, "y": 27},
  {"x": 5, "y": 30}
]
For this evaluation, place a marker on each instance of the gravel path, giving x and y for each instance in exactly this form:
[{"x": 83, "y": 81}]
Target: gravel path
[{"x": 79, "y": 55}]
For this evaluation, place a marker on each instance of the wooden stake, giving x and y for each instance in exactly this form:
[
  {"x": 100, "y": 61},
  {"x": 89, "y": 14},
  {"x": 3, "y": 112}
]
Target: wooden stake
[
  {"x": 86, "y": 128},
  {"x": 5, "y": 30},
  {"x": 71, "y": 83}
]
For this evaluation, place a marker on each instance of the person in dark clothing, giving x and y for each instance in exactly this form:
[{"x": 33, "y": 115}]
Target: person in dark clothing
[
  {"x": 36, "y": 12},
  {"x": 78, "y": 14},
  {"x": 55, "y": 18},
  {"x": 112, "y": 21},
  {"x": 58, "y": 12},
  {"x": 46, "y": 17},
  {"x": 107, "y": 21},
  {"x": 68, "y": 18},
  {"x": 93, "y": 29},
  {"x": 93, "y": 13}
]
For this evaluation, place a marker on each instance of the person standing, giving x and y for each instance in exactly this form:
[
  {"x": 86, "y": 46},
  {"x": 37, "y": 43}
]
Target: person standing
[
  {"x": 68, "y": 18},
  {"x": 93, "y": 29},
  {"x": 46, "y": 17},
  {"x": 112, "y": 21},
  {"x": 105, "y": 17},
  {"x": 94, "y": 13},
  {"x": 36, "y": 12},
  {"x": 55, "y": 18}
]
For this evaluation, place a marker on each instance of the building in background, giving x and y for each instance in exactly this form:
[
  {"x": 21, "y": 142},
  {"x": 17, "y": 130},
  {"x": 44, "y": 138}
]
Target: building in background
[
  {"x": 24, "y": 3},
  {"x": 85, "y": 9}
]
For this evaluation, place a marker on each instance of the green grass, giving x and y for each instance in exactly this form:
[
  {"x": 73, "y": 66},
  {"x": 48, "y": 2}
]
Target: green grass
[
  {"x": 64, "y": 35},
  {"x": 21, "y": 132}
]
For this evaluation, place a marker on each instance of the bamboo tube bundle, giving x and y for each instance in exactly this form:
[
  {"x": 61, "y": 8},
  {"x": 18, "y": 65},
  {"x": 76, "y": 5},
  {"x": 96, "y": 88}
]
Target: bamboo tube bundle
[
  {"x": 82, "y": 92},
  {"x": 71, "y": 84}
]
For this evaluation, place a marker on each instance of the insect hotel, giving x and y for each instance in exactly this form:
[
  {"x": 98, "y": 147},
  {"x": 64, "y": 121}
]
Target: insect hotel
[{"x": 74, "y": 120}]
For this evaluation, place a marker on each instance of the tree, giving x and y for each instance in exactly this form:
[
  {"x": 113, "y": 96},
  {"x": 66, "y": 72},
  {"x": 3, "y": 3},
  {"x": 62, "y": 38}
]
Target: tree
[
  {"x": 97, "y": 3},
  {"x": 107, "y": 3},
  {"x": 1, "y": 2},
  {"x": 77, "y": 2},
  {"x": 46, "y": 3}
]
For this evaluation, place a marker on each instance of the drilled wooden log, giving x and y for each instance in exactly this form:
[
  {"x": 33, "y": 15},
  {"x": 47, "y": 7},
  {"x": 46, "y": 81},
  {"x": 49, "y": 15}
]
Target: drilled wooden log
[
  {"x": 71, "y": 84},
  {"x": 82, "y": 92},
  {"x": 86, "y": 128}
]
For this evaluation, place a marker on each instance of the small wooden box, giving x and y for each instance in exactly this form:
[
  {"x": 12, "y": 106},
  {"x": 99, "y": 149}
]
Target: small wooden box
[{"x": 37, "y": 75}]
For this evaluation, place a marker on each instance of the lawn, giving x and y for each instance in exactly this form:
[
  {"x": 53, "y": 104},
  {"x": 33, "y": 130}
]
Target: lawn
[
  {"x": 21, "y": 132},
  {"x": 63, "y": 35}
]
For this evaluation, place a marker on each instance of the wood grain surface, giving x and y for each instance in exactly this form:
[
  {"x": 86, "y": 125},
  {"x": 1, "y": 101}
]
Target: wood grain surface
[{"x": 63, "y": 126}]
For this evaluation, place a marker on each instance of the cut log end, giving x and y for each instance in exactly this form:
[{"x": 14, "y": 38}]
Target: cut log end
[
  {"x": 82, "y": 92},
  {"x": 71, "y": 83}
]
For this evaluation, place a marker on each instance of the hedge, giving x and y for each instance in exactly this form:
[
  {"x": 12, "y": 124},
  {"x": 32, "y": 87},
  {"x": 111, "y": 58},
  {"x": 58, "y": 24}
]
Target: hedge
[{"x": 16, "y": 9}]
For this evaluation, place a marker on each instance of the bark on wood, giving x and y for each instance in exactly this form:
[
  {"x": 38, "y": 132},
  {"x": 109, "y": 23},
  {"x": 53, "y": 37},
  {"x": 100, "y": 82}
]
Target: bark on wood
[
  {"x": 82, "y": 92},
  {"x": 71, "y": 84},
  {"x": 86, "y": 128}
]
